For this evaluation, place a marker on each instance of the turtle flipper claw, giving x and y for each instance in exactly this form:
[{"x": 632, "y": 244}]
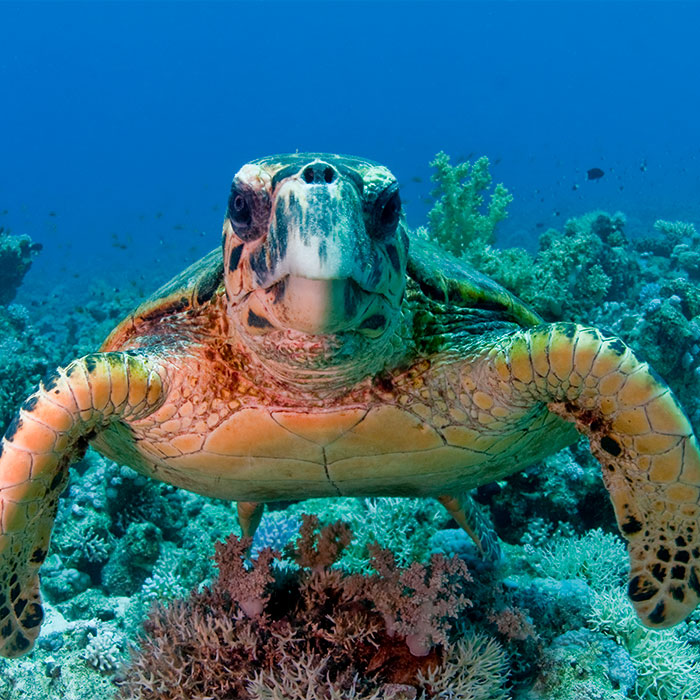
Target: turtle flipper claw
[{"x": 50, "y": 431}]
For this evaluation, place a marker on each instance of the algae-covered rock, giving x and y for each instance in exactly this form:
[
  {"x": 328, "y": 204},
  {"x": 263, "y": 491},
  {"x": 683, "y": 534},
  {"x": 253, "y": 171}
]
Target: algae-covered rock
[{"x": 583, "y": 664}]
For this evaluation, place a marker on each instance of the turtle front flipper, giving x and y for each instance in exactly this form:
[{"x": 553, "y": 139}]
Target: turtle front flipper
[
  {"x": 50, "y": 431},
  {"x": 644, "y": 442}
]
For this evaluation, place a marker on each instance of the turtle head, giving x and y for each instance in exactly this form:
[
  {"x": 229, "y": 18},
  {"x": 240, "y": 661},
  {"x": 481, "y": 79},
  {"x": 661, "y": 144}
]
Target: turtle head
[{"x": 315, "y": 251}]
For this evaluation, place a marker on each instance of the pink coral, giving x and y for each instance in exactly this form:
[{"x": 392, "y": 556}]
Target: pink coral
[
  {"x": 418, "y": 602},
  {"x": 249, "y": 585}
]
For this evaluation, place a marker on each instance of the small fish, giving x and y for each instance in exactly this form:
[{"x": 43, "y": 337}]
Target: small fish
[
  {"x": 4, "y": 211},
  {"x": 417, "y": 179},
  {"x": 643, "y": 165},
  {"x": 594, "y": 174},
  {"x": 52, "y": 213},
  {"x": 574, "y": 187}
]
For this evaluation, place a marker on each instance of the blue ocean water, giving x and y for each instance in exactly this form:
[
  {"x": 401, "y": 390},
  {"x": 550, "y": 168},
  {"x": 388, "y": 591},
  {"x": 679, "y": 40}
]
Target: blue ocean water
[{"x": 122, "y": 123}]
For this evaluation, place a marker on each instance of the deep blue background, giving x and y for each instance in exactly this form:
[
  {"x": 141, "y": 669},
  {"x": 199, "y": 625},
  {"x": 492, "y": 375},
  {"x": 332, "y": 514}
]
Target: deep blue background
[{"x": 121, "y": 124}]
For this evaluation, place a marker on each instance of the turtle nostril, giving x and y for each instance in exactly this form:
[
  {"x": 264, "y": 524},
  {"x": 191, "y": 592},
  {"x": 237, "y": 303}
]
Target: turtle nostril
[{"x": 318, "y": 173}]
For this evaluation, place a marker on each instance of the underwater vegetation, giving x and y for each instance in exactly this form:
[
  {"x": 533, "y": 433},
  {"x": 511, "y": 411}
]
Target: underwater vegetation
[{"x": 149, "y": 595}]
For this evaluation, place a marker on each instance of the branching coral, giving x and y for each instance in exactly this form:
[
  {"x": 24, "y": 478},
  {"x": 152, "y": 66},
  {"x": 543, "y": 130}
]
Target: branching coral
[
  {"x": 599, "y": 558},
  {"x": 402, "y": 525},
  {"x": 668, "y": 668},
  {"x": 476, "y": 668},
  {"x": 459, "y": 219}
]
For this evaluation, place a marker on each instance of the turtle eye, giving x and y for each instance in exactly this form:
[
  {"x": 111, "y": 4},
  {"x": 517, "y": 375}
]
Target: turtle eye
[
  {"x": 388, "y": 212},
  {"x": 240, "y": 212}
]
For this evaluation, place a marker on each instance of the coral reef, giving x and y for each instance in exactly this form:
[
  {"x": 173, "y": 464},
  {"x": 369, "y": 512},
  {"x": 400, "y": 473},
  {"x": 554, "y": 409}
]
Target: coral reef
[
  {"x": 317, "y": 631},
  {"x": 584, "y": 664},
  {"x": 16, "y": 255},
  {"x": 317, "y": 621},
  {"x": 25, "y": 356}
]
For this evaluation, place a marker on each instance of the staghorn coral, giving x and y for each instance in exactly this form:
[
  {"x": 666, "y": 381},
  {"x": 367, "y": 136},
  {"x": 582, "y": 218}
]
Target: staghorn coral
[
  {"x": 259, "y": 631},
  {"x": 667, "y": 666},
  {"x": 598, "y": 558},
  {"x": 475, "y": 668}
]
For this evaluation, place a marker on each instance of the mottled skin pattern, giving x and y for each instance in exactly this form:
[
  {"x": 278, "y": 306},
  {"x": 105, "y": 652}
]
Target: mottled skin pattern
[{"x": 328, "y": 351}]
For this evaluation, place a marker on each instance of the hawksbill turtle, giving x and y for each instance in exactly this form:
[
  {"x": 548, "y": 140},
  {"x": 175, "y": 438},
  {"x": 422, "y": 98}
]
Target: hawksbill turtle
[{"x": 327, "y": 350}]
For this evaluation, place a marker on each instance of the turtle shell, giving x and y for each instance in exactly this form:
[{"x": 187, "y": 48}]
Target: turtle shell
[
  {"x": 193, "y": 287},
  {"x": 444, "y": 278}
]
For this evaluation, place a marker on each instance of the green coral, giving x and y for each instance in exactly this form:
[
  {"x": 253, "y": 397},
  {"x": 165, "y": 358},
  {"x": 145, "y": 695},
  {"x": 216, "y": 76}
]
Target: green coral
[
  {"x": 599, "y": 558},
  {"x": 668, "y": 668},
  {"x": 460, "y": 220},
  {"x": 576, "y": 270}
]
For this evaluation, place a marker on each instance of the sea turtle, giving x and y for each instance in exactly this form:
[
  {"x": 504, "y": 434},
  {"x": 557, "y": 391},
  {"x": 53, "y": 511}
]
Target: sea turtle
[{"x": 327, "y": 350}]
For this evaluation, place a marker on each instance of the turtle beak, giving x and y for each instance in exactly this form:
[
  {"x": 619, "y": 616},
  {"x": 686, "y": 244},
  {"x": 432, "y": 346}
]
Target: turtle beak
[{"x": 319, "y": 306}]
